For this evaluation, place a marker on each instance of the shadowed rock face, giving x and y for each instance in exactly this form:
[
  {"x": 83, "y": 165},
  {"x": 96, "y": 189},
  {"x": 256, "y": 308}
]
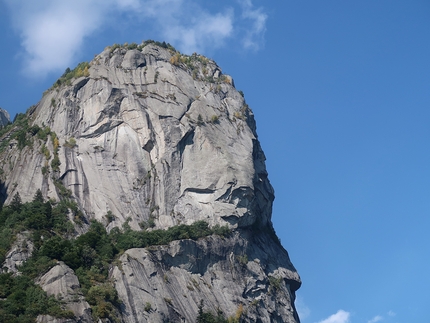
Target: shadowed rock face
[{"x": 149, "y": 134}]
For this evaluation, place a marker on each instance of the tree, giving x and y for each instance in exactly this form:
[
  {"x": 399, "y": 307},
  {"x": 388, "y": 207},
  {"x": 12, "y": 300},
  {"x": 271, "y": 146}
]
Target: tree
[
  {"x": 16, "y": 203},
  {"x": 38, "y": 197}
]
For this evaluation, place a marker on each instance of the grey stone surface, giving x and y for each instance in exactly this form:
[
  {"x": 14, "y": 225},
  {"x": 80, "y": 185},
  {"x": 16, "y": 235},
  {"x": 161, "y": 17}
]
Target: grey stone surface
[
  {"x": 4, "y": 117},
  {"x": 20, "y": 251},
  {"x": 165, "y": 137},
  {"x": 231, "y": 274},
  {"x": 61, "y": 282},
  {"x": 145, "y": 144}
]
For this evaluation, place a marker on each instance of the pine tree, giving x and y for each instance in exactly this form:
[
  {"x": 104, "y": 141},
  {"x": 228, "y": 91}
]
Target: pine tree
[{"x": 16, "y": 203}]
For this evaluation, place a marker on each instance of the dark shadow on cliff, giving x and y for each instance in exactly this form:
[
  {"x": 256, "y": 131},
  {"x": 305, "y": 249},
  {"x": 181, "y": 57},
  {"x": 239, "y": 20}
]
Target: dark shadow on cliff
[{"x": 3, "y": 193}]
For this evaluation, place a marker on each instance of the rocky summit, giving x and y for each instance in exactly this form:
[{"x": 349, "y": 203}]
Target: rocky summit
[
  {"x": 4, "y": 117},
  {"x": 136, "y": 191}
]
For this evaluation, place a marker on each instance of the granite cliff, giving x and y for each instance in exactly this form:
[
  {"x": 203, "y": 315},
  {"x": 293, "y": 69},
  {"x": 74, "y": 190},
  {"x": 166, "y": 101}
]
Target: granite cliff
[{"x": 144, "y": 138}]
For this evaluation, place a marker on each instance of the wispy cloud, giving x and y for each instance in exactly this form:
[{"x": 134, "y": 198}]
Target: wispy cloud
[
  {"x": 301, "y": 308},
  {"x": 255, "y": 33},
  {"x": 340, "y": 317},
  {"x": 53, "y": 32},
  {"x": 391, "y": 313},
  {"x": 377, "y": 318}
]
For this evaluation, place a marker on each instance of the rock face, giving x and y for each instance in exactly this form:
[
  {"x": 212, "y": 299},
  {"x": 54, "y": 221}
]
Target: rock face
[
  {"x": 21, "y": 250},
  {"x": 4, "y": 117},
  {"x": 62, "y": 282},
  {"x": 148, "y": 134},
  {"x": 229, "y": 274}
]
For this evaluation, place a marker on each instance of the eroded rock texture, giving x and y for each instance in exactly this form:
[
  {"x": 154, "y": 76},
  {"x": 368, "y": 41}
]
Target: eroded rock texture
[{"x": 149, "y": 134}]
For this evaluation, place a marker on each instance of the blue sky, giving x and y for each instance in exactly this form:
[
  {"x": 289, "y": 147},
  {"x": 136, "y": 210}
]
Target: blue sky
[{"x": 341, "y": 94}]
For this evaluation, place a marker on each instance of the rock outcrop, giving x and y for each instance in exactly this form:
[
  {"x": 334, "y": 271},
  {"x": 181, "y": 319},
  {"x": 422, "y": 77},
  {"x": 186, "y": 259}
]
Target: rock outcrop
[
  {"x": 147, "y": 135},
  {"x": 4, "y": 117},
  {"x": 21, "y": 250},
  {"x": 236, "y": 274},
  {"x": 60, "y": 281}
]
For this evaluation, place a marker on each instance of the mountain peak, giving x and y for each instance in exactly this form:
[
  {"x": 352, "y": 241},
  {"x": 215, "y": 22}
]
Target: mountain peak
[{"x": 144, "y": 138}]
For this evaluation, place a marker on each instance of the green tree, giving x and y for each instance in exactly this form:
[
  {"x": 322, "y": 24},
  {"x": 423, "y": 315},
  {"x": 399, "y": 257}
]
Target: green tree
[
  {"x": 38, "y": 197},
  {"x": 16, "y": 203}
]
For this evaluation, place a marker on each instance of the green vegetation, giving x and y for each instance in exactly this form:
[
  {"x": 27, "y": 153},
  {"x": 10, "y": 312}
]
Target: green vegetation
[
  {"x": 141, "y": 46},
  {"x": 275, "y": 282},
  {"x": 55, "y": 163},
  {"x": 61, "y": 189},
  {"x": 17, "y": 130},
  {"x": 243, "y": 260},
  {"x": 69, "y": 75},
  {"x": 109, "y": 216},
  {"x": 71, "y": 143},
  {"x": 214, "y": 119},
  {"x": 45, "y": 151},
  {"x": 22, "y": 300},
  {"x": 148, "y": 224},
  {"x": 90, "y": 255},
  {"x": 219, "y": 317},
  {"x": 21, "y": 131},
  {"x": 208, "y": 317},
  {"x": 197, "y": 66},
  {"x": 147, "y": 307}
]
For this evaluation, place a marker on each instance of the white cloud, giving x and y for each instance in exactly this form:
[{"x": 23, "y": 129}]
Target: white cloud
[
  {"x": 391, "y": 313},
  {"x": 255, "y": 33},
  {"x": 53, "y": 32},
  {"x": 301, "y": 308},
  {"x": 377, "y": 318},
  {"x": 340, "y": 317},
  {"x": 206, "y": 31}
]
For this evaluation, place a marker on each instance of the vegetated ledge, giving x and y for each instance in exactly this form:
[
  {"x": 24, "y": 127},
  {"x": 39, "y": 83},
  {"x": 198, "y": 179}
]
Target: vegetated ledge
[
  {"x": 90, "y": 255},
  {"x": 195, "y": 64}
]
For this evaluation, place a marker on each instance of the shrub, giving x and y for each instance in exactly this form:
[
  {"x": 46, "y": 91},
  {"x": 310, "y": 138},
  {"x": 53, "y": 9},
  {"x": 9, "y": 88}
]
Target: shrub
[
  {"x": 21, "y": 136},
  {"x": 114, "y": 47},
  {"x": 243, "y": 260},
  {"x": 175, "y": 59},
  {"x": 275, "y": 282},
  {"x": 66, "y": 79},
  {"x": 55, "y": 164},
  {"x": 109, "y": 216},
  {"x": 43, "y": 133},
  {"x": 200, "y": 120},
  {"x": 147, "y": 307},
  {"x": 215, "y": 119},
  {"x": 44, "y": 150},
  {"x": 71, "y": 143},
  {"x": 132, "y": 46},
  {"x": 208, "y": 317}
]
